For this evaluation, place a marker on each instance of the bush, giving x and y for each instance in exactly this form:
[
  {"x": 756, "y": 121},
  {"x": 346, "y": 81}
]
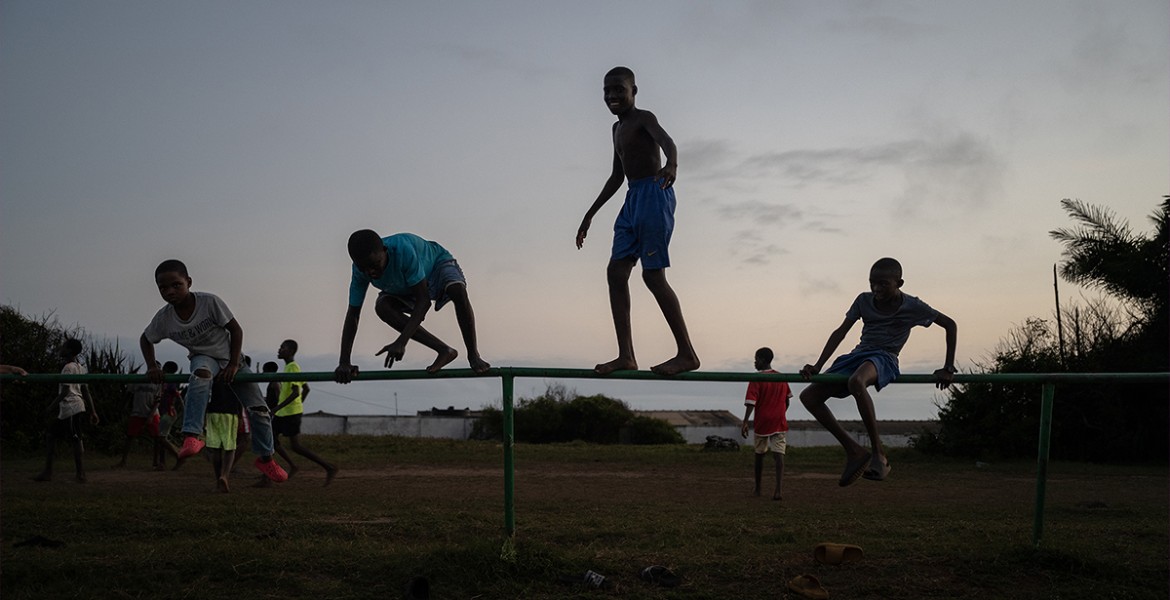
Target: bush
[
  {"x": 33, "y": 343},
  {"x": 560, "y": 415}
]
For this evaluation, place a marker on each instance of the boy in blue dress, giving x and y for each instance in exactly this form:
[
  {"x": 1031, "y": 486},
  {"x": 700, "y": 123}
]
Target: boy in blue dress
[
  {"x": 644, "y": 224},
  {"x": 887, "y": 316},
  {"x": 410, "y": 273}
]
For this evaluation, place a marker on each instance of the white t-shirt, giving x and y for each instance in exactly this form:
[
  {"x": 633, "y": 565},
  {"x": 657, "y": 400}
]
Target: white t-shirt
[
  {"x": 73, "y": 402},
  {"x": 202, "y": 334}
]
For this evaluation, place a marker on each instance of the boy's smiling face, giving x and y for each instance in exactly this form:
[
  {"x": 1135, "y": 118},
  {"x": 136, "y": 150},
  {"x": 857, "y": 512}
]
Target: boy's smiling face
[
  {"x": 884, "y": 284},
  {"x": 619, "y": 94},
  {"x": 173, "y": 286}
]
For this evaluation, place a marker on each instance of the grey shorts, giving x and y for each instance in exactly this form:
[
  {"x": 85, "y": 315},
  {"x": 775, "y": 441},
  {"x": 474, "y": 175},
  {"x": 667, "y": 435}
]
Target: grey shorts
[{"x": 444, "y": 274}]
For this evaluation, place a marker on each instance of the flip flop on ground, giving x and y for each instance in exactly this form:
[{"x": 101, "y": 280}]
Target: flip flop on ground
[
  {"x": 660, "y": 575},
  {"x": 808, "y": 586},
  {"x": 834, "y": 554},
  {"x": 854, "y": 469},
  {"x": 878, "y": 470}
]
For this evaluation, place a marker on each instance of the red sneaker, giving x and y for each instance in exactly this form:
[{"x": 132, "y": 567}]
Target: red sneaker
[
  {"x": 191, "y": 446},
  {"x": 271, "y": 470}
]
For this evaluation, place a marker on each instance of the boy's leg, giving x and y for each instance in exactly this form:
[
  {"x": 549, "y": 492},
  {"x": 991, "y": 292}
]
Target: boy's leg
[
  {"x": 279, "y": 448},
  {"x": 78, "y": 448},
  {"x": 396, "y": 318},
  {"x": 125, "y": 452},
  {"x": 865, "y": 376},
  {"x": 466, "y": 317},
  {"x": 299, "y": 448},
  {"x": 857, "y": 457},
  {"x": 203, "y": 369},
  {"x": 685, "y": 359},
  {"x": 779, "y": 457},
  {"x": 617, "y": 275},
  {"x": 759, "y": 469},
  {"x": 252, "y": 400},
  {"x": 46, "y": 474}
]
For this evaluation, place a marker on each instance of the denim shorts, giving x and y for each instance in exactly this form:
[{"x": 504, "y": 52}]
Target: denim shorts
[{"x": 886, "y": 364}]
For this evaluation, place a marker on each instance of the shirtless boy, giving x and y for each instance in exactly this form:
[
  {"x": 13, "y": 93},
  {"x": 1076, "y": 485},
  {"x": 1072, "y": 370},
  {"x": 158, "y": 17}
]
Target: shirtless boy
[{"x": 644, "y": 224}]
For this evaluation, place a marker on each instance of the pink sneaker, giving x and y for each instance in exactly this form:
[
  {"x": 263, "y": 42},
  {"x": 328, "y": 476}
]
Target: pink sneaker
[
  {"x": 191, "y": 446},
  {"x": 271, "y": 470}
]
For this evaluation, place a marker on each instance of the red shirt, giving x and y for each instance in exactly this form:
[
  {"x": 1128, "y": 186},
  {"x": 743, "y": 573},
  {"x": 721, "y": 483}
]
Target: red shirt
[{"x": 771, "y": 401}]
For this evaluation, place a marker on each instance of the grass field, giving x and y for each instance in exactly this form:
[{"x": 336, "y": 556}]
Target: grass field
[{"x": 938, "y": 528}]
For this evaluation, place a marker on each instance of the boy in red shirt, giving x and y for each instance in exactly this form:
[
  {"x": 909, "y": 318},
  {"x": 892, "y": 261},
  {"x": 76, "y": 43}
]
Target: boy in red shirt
[{"x": 770, "y": 400}]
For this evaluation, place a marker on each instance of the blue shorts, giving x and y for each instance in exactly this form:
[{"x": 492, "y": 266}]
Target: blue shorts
[
  {"x": 444, "y": 274},
  {"x": 644, "y": 224},
  {"x": 886, "y": 363}
]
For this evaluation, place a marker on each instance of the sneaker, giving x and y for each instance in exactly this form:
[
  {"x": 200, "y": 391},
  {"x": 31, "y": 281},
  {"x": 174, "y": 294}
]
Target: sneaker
[
  {"x": 271, "y": 470},
  {"x": 191, "y": 446}
]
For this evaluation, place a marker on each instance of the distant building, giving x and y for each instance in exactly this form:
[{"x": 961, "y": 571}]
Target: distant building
[{"x": 694, "y": 425}]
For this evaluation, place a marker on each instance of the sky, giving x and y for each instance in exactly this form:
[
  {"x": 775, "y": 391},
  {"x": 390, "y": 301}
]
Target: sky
[{"x": 249, "y": 139}]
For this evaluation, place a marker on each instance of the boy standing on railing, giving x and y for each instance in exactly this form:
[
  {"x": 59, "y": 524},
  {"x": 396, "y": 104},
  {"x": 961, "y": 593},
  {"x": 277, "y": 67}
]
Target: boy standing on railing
[
  {"x": 644, "y": 223},
  {"x": 770, "y": 400},
  {"x": 887, "y": 316},
  {"x": 203, "y": 324}
]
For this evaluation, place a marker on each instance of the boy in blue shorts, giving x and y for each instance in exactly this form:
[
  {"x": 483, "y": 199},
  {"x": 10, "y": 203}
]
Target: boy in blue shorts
[
  {"x": 410, "y": 273},
  {"x": 644, "y": 224},
  {"x": 203, "y": 324},
  {"x": 887, "y": 316}
]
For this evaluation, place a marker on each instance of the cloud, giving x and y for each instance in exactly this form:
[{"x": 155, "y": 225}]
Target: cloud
[{"x": 810, "y": 285}]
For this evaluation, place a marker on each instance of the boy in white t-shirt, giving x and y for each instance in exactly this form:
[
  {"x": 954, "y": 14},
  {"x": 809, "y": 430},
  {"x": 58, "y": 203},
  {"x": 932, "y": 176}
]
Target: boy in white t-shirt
[
  {"x": 203, "y": 324},
  {"x": 72, "y": 400}
]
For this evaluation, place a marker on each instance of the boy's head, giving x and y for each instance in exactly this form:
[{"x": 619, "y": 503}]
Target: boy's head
[
  {"x": 170, "y": 367},
  {"x": 71, "y": 348},
  {"x": 270, "y": 367},
  {"x": 173, "y": 282},
  {"x": 620, "y": 89},
  {"x": 885, "y": 279},
  {"x": 287, "y": 350},
  {"x": 764, "y": 358},
  {"x": 368, "y": 253}
]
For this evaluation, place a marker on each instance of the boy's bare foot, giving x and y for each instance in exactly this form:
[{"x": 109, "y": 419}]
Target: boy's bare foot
[
  {"x": 221, "y": 485},
  {"x": 479, "y": 365},
  {"x": 777, "y": 496},
  {"x": 676, "y": 365},
  {"x": 443, "y": 359},
  {"x": 330, "y": 473},
  {"x": 617, "y": 364}
]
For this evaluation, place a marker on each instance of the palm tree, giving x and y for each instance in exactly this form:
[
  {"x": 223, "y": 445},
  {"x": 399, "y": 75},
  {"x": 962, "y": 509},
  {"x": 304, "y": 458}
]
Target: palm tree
[{"x": 1104, "y": 253}]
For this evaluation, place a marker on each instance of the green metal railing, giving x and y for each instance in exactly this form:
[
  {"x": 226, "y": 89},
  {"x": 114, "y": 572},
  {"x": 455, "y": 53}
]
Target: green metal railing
[{"x": 508, "y": 375}]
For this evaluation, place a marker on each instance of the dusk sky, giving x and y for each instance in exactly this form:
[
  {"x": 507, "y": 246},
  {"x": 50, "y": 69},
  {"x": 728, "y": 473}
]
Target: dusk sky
[{"x": 250, "y": 138}]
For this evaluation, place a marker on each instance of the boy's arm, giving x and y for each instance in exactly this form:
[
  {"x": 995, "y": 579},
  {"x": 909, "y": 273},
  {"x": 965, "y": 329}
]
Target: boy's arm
[
  {"x": 12, "y": 369},
  {"x": 830, "y": 346},
  {"x": 296, "y": 391},
  {"x": 669, "y": 171},
  {"x": 272, "y": 395},
  {"x": 747, "y": 414},
  {"x": 345, "y": 371},
  {"x": 236, "y": 334},
  {"x": 422, "y": 303},
  {"x": 93, "y": 416},
  {"x": 947, "y": 374},
  {"x": 607, "y": 191},
  {"x": 153, "y": 372}
]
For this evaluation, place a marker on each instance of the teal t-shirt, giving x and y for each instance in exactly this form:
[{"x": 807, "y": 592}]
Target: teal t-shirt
[{"x": 410, "y": 259}]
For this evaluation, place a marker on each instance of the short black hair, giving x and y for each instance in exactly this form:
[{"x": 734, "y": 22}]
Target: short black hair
[
  {"x": 622, "y": 72},
  {"x": 270, "y": 367},
  {"x": 292, "y": 344},
  {"x": 72, "y": 346},
  {"x": 362, "y": 243},
  {"x": 170, "y": 367},
  {"x": 765, "y": 354},
  {"x": 171, "y": 266},
  {"x": 888, "y": 265}
]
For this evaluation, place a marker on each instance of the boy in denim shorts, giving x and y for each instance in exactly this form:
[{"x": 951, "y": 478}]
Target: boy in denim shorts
[{"x": 410, "y": 273}]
